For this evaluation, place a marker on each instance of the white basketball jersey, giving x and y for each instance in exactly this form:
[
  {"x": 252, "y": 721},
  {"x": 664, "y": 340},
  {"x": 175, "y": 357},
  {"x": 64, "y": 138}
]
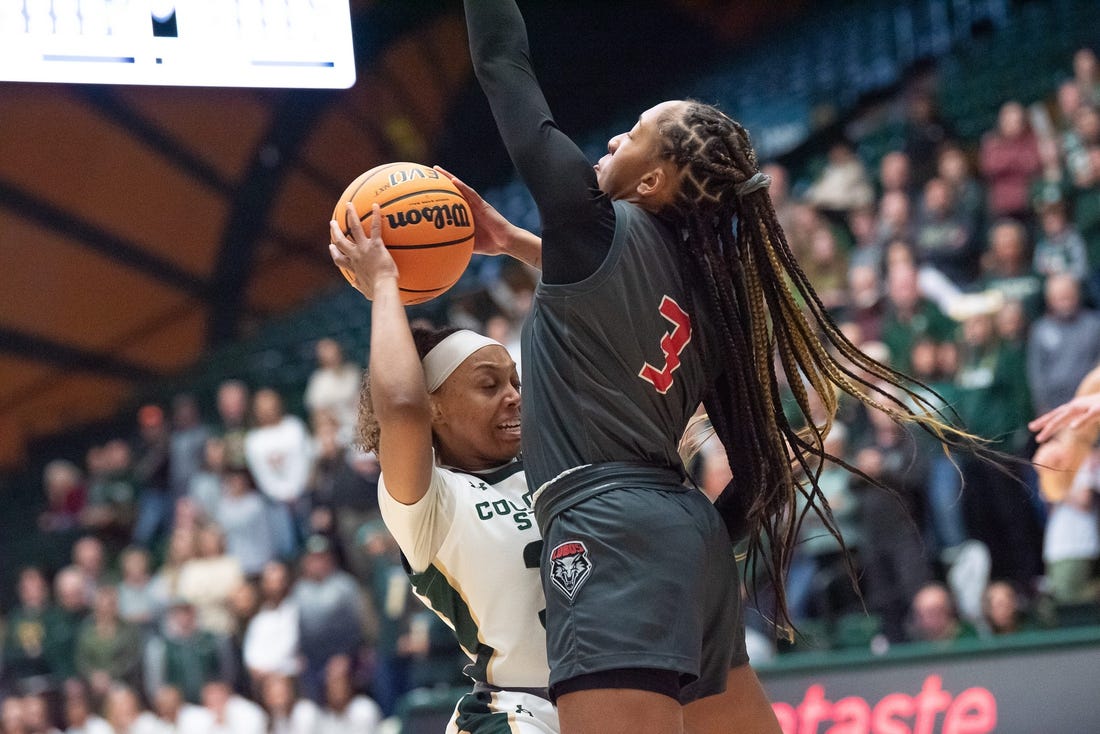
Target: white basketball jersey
[{"x": 474, "y": 549}]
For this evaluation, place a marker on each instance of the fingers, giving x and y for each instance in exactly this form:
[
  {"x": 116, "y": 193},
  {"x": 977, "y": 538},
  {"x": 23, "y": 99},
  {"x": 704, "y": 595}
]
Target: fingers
[
  {"x": 351, "y": 247},
  {"x": 339, "y": 241},
  {"x": 1036, "y": 423},
  {"x": 376, "y": 222},
  {"x": 1054, "y": 421},
  {"x": 1051, "y": 420},
  {"x": 471, "y": 195},
  {"x": 1045, "y": 435},
  {"x": 355, "y": 226},
  {"x": 1072, "y": 415},
  {"x": 338, "y": 257},
  {"x": 453, "y": 178},
  {"x": 1050, "y": 429}
]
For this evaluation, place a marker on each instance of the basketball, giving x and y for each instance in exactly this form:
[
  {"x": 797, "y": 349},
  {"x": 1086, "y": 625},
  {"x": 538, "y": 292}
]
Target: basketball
[{"x": 426, "y": 224}]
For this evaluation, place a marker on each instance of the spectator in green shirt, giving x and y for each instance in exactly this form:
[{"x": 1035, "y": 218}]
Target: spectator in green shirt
[
  {"x": 934, "y": 618},
  {"x": 25, "y": 634},
  {"x": 107, "y": 649},
  {"x": 186, "y": 656},
  {"x": 909, "y": 316},
  {"x": 64, "y": 620}
]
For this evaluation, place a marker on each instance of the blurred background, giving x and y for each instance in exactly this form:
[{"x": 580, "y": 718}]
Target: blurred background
[{"x": 165, "y": 291}]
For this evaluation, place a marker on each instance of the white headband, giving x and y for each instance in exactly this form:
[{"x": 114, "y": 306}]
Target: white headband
[{"x": 445, "y": 357}]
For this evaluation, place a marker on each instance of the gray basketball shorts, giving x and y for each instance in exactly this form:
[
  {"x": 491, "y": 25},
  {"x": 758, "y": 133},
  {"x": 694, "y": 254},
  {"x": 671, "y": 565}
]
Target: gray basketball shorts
[{"x": 643, "y": 578}]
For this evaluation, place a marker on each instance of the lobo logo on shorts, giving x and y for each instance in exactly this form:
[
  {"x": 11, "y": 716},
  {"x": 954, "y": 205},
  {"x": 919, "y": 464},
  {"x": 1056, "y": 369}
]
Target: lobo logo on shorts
[{"x": 569, "y": 567}]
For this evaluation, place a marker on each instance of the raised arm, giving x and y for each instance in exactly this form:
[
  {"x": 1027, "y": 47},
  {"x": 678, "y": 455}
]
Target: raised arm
[
  {"x": 578, "y": 221},
  {"x": 398, "y": 391}
]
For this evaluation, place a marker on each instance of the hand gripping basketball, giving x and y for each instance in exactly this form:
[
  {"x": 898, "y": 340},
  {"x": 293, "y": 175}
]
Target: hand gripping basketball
[
  {"x": 426, "y": 224},
  {"x": 365, "y": 257}
]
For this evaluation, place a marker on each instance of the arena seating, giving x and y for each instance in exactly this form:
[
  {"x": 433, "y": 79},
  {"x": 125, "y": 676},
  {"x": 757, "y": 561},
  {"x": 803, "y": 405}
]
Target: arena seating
[{"x": 787, "y": 89}]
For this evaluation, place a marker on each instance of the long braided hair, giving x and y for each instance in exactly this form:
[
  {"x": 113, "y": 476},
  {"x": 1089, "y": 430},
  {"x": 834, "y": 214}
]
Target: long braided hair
[{"x": 765, "y": 311}]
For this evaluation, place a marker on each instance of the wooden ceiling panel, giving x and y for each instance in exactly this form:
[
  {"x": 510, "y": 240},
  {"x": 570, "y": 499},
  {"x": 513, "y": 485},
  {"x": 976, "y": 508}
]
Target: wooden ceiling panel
[
  {"x": 154, "y": 171},
  {"x": 223, "y": 127},
  {"x": 341, "y": 148},
  {"x": 447, "y": 39},
  {"x": 100, "y": 174},
  {"x": 168, "y": 342},
  {"x": 423, "y": 85},
  {"x": 70, "y": 400},
  {"x": 302, "y": 210},
  {"x": 283, "y": 283},
  {"x": 18, "y": 423},
  {"x": 59, "y": 290},
  {"x": 376, "y": 101},
  {"x": 20, "y": 376}
]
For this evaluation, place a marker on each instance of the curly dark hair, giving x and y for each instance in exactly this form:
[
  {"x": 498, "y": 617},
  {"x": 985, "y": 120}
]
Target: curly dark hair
[{"x": 367, "y": 430}]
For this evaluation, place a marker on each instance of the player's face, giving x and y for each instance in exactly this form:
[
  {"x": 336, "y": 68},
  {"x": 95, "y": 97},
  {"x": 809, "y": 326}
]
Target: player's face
[
  {"x": 477, "y": 420},
  {"x": 633, "y": 159}
]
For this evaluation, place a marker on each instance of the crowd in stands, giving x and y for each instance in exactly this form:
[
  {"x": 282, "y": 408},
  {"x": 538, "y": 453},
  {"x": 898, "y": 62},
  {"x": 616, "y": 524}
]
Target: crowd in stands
[
  {"x": 973, "y": 265},
  {"x": 232, "y": 573},
  {"x": 229, "y": 576}
]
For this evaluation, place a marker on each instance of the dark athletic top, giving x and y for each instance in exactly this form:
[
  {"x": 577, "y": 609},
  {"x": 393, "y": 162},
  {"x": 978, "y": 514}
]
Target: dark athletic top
[{"x": 614, "y": 364}]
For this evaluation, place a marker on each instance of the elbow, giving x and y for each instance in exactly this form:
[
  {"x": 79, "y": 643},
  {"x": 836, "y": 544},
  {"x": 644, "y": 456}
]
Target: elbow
[
  {"x": 403, "y": 408},
  {"x": 484, "y": 49},
  {"x": 486, "y": 66},
  {"x": 494, "y": 59}
]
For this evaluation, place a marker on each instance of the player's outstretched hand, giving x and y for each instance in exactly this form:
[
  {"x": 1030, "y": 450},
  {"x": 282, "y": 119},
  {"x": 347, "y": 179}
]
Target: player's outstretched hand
[
  {"x": 493, "y": 232},
  {"x": 1056, "y": 463},
  {"x": 1082, "y": 411},
  {"x": 364, "y": 255}
]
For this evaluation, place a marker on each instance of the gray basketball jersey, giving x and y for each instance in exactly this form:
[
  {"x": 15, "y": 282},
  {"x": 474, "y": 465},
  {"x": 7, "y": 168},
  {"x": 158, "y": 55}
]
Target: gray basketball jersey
[{"x": 614, "y": 365}]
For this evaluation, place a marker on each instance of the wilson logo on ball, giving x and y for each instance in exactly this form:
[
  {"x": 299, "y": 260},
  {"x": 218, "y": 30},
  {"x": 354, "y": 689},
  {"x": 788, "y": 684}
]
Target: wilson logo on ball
[
  {"x": 439, "y": 216},
  {"x": 426, "y": 225}
]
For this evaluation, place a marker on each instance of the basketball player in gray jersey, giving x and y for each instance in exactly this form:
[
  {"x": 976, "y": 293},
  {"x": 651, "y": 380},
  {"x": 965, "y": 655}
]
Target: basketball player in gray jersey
[{"x": 666, "y": 283}]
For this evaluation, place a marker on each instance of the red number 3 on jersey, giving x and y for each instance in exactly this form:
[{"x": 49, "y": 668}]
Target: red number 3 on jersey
[{"x": 672, "y": 344}]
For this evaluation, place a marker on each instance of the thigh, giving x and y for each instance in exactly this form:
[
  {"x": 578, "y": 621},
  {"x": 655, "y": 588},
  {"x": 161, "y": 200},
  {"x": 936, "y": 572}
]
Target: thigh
[
  {"x": 619, "y": 711},
  {"x": 743, "y": 708},
  {"x": 623, "y": 578},
  {"x": 721, "y": 608}
]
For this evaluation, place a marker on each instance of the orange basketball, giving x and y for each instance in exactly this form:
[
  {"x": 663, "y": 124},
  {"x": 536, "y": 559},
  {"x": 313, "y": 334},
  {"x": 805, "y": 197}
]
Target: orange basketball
[{"x": 426, "y": 224}]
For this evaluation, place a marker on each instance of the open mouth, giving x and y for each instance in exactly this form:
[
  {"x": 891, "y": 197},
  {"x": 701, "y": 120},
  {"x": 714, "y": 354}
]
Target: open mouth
[{"x": 512, "y": 426}]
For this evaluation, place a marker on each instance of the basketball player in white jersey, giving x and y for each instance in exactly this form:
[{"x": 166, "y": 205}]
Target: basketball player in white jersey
[{"x": 442, "y": 409}]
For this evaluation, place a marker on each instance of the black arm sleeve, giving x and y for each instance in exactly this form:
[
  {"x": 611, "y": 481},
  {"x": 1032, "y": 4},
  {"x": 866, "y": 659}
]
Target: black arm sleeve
[
  {"x": 578, "y": 220},
  {"x": 734, "y": 502}
]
